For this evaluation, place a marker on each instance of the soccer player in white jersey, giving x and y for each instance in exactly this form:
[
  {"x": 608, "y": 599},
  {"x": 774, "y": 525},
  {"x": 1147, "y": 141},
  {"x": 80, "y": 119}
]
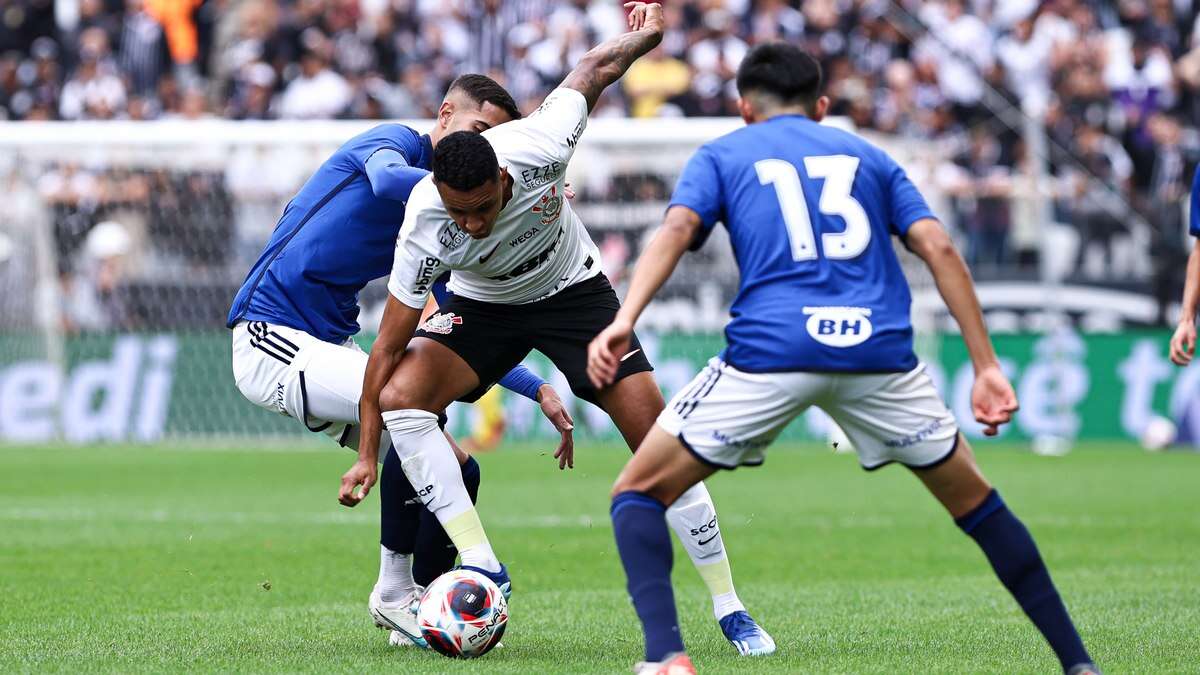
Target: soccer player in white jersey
[
  {"x": 821, "y": 319},
  {"x": 293, "y": 317},
  {"x": 526, "y": 276}
]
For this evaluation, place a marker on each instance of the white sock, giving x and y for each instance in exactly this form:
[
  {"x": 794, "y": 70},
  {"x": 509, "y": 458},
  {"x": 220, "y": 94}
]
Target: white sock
[
  {"x": 395, "y": 575},
  {"x": 694, "y": 519},
  {"x": 430, "y": 465}
]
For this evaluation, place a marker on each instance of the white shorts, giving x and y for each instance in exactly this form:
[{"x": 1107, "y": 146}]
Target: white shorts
[
  {"x": 295, "y": 374},
  {"x": 727, "y": 417}
]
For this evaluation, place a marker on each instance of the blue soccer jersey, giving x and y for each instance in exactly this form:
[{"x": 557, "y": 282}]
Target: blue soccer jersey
[
  {"x": 336, "y": 235},
  {"x": 810, "y": 211}
]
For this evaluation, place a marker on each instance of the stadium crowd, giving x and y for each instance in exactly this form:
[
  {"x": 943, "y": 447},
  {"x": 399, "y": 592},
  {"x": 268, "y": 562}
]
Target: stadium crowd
[{"x": 1112, "y": 83}]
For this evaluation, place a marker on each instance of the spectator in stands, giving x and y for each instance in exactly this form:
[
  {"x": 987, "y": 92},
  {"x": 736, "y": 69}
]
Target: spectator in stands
[
  {"x": 95, "y": 90},
  {"x": 94, "y": 297},
  {"x": 653, "y": 80},
  {"x": 317, "y": 92},
  {"x": 141, "y": 48},
  {"x": 1099, "y": 205},
  {"x": 961, "y": 46},
  {"x": 980, "y": 186}
]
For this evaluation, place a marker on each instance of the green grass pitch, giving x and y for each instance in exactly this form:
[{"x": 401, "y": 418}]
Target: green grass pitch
[{"x": 161, "y": 559}]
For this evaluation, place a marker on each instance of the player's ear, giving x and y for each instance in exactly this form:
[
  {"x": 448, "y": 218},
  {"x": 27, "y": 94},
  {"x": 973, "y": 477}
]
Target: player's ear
[
  {"x": 820, "y": 108},
  {"x": 445, "y": 114},
  {"x": 745, "y": 110}
]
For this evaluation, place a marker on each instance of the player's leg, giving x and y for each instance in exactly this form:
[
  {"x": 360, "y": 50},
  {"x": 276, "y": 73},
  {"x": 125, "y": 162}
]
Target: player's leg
[
  {"x": 659, "y": 472},
  {"x": 634, "y": 403},
  {"x": 332, "y": 377},
  {"x": 435, "y": 553},
  {"x": 713, "y": 423},
  {"x": 429, "y": 378},
  {"x": 981, "y": 514},
  {"x": 901, "y": 418}
]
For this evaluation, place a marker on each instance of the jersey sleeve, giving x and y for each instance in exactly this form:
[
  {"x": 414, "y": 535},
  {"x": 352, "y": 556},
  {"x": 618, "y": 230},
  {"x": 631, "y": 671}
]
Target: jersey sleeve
[
  {"x": 699, "y": 189},
  {"x": 1194, "y": 217},
  {"x": 390, "y": 175},
  {"x": 906, "y": 204},
  {"x": 558, "y": 123},
  {"x": 416, "y": 265},
  {"x": 395, "y": 137}
]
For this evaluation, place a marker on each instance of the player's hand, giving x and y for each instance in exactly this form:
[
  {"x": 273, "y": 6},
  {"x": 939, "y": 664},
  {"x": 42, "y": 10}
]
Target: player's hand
[
  {"x": 1183, "y": 343},
  {"x": 362, "y": 473},
  {"x": 992, "y": 399},
  {"x": 605, "y": 353},
  {"x": 556, "y": 412},
  {"x": 648, "y": 15},
  {"x": 568, "y": 191}
]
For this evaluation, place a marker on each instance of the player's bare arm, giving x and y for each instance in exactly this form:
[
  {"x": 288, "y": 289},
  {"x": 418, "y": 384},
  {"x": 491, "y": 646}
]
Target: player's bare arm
[
  {"x": 607, "y": 62},
  {"x": 395, "y": 330},
  {"x": 654, "y": 267},
  {"x": 1183, "y": 343},
  {"x": 992, "y": 398}
]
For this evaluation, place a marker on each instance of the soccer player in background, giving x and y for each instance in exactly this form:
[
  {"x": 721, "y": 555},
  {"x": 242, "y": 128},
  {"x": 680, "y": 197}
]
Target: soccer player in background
[
  {"x": 294, "y": 316},
  {"x": 526, "y": 275},
  {"x": 1183, "y": 343},
  {"x": 821, "y": 318}
]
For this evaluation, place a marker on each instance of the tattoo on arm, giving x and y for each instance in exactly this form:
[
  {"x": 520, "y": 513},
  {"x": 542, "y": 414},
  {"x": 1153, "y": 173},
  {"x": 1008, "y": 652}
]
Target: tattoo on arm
[{"x": 607, "y": 62}]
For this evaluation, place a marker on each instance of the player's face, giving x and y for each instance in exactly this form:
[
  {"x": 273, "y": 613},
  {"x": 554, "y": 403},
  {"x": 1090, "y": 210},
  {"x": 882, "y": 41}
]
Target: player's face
[
  {"x": 466, "y": 116},
  {"x": 475, "y": 211}
]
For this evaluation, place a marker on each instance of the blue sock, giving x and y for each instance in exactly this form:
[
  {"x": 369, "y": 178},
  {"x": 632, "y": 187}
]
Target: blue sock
[
  {"x": 434, "y": 553},
  {"x": 399, "y": 508},
  {"x": 640, "y": 525},
  {"x": 1013, "y": 554}
]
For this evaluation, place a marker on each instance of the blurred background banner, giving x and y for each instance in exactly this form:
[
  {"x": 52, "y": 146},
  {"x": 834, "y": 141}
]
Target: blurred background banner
[
  {"x": 150, "y": 146},
  {"x": 144, "y": 387}
]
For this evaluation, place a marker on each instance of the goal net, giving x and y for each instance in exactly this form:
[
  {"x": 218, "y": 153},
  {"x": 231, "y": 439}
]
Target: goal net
[{"x": 122, "y": 244}]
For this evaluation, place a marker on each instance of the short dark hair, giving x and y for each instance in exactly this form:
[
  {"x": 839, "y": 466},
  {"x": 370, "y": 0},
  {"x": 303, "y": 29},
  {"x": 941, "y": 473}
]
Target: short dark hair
[
  {"x": 781, "y": 70},
  {"x": 464, "y": 160},
  {"x": 483, "y": 89}
]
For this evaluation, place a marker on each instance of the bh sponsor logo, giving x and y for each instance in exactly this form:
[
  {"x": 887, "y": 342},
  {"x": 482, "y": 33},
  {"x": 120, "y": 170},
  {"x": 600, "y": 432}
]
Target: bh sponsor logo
[{"x": 839, "y": 326}]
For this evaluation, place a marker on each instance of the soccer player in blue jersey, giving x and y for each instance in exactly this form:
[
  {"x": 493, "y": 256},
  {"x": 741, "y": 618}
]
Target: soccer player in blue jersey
[
  {"x": 294, "y": 316},
  {"x": 821, "y": 319},
  {"x": 1183, "y": 343}
]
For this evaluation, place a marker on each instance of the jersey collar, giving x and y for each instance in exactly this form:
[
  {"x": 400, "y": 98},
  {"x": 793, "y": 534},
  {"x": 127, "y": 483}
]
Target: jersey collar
[{"x": 426, "y": 159}]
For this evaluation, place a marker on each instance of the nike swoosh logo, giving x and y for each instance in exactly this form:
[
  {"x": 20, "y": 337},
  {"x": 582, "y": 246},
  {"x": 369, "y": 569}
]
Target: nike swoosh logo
[
  {"x": 630, "y": 355},
  {"x": 485, "y": 258},
  {"x": 705, "y": 541}
]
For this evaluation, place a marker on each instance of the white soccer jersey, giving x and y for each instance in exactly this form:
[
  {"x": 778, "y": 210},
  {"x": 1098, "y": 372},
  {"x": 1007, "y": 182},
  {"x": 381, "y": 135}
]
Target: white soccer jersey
[{"x": 538, "y": 246}]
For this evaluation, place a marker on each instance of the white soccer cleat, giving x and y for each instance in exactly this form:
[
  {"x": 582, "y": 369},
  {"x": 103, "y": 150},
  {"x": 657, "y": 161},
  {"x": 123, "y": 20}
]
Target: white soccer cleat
[{"x": 400, "y": 618}]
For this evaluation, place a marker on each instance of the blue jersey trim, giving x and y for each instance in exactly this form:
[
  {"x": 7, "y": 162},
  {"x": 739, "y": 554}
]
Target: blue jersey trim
[{"x": 233, "y": 320}]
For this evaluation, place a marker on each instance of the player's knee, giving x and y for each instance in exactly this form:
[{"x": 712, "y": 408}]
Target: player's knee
[
  {"x": 648, "y": 485},
  {"x": 397, "y": 397}
]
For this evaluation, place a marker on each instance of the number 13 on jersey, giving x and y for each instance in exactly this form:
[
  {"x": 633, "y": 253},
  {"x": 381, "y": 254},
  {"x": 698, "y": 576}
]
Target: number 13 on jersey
[{"x": 838, "y": 172}]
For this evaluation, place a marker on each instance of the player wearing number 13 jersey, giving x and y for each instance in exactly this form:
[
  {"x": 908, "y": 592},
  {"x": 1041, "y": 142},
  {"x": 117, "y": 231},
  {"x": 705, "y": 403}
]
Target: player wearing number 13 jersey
[{"x": 821, "y": 319}]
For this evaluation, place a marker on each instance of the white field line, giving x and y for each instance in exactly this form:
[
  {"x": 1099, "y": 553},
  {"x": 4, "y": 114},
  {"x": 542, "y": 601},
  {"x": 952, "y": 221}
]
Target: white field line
[
  {"x": 67, "y": 515},
  {"x": 20, "y": 514}
]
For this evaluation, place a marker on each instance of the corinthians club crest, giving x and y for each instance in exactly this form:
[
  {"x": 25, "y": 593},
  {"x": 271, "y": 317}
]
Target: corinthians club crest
[
  {"x": 441, "y": 323},
  {"x": 549, "y": 206}
]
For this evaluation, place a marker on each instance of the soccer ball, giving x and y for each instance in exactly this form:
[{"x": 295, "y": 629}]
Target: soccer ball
[{"x": 462, "y": 614}]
